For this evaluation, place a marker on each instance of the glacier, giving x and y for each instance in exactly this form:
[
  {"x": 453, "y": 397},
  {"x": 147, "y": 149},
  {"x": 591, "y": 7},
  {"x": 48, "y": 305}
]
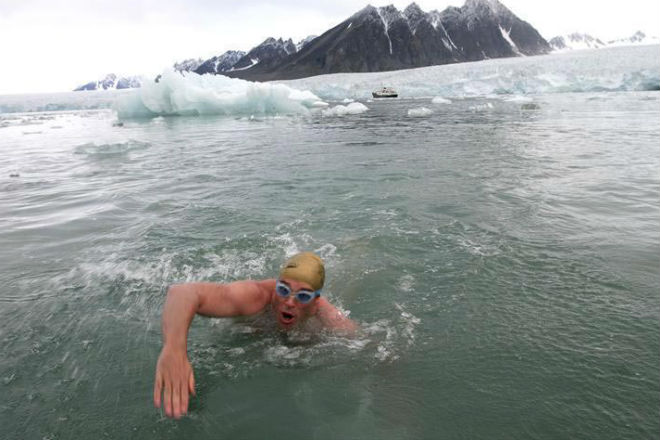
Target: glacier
[
  {"x": 616, "y": 69},
  {"x": 612, "y": 69}
]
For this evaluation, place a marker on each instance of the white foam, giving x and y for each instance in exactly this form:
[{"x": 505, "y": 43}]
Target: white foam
[
  {"x": 440, "y": 100},
  {"x": 420, "y": 112},
  {"x": 353, "y": 108},
  {"x": 407, "y": 283},
  {"x": 192, "y": 94}
]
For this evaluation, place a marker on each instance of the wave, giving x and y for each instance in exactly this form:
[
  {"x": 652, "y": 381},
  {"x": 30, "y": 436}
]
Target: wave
[{"x": 111, "y": 149}]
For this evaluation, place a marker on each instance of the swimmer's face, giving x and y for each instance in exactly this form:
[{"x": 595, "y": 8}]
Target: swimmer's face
[{"x": 289, "y": 310}]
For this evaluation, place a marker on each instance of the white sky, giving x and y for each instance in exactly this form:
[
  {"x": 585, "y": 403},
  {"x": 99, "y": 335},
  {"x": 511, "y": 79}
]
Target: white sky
[{"x": 56, "y": 45}]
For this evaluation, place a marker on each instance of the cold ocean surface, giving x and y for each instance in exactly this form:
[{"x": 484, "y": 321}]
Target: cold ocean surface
[{"x": 495, "y": 232}]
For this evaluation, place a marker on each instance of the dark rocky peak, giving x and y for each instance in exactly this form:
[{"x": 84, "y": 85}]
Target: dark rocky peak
[
  {"x": 290, "y": 47},
  {"x": 221, "y": 63},
  {"x": 384, "y": 38},
  {"x": 638, "y": 36},
  {"x": 415, "y": 16},
  {"x": 269, "y": 52},
  {"x": 490, "y": 8},
  {"x": 578, "y": 37},
  {"x": 558, "y": 43},
  {"x": 364, "y": 12},
  {"x": 188, "y": 65},
  {"x": 413, "y": 9},
  {"x": 111, "y": 81},
  {"x": 478, "y": 12},
  {"x": 434, "y": 18},
  {"x": 485, "y": 10},
  {"x": 390, "y": 14},
  {"x": 270, "y": 41},
  {"x": 450, "y": 14},
  {"x": 304, "y": 42}
]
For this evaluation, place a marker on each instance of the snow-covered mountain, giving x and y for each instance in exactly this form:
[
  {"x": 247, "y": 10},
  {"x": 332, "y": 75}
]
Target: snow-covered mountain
[
  {"x": 577, "y": 41},
  {"x": 220, "y": 63},
  {"x": 384, "y": 38},
  {"x": 188, "y": 65},
  {"x": 270, "y": 52},
  {"x": 304, "y": 42},
  {"x": 638, "y": 37},
  {"x": 111, "y": 81}
]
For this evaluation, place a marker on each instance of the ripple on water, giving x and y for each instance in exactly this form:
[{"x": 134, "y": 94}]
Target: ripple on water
[{"x": 100, "y": 151}]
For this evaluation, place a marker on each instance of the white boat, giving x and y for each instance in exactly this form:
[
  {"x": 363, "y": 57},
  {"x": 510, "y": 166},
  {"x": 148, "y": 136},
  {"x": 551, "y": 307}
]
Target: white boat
[{"x": 385, "y": 92}]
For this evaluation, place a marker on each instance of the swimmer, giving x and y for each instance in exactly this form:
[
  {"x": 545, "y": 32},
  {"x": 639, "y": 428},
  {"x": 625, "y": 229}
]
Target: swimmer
[{"x": 292, "y": 301}]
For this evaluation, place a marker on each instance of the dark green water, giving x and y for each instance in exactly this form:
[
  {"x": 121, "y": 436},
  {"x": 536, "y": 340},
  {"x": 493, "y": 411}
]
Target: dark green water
[{"x": 504, "y": 264}]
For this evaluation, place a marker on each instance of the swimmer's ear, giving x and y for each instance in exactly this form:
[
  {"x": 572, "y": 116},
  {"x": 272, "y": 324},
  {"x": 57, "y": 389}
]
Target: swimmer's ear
[{"x": 315, "y": 305}]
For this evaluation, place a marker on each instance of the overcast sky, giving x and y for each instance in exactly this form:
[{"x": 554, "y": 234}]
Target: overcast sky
[{"x": 55, "y": 45}]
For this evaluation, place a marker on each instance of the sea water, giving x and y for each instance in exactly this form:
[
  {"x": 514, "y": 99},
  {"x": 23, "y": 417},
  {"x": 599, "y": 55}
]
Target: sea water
[{"x": 495, "y": 232}]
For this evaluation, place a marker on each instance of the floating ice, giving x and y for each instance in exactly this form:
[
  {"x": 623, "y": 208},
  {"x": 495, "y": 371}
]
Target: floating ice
[
  {"x": 112, "y": 149},
  {"x": 519, "y": 98},
  {"x": 419, "y": 112},
  {"x": 353, "y": 108},
  {"x": 440, "y": 100},
  {"x": 529, "y": 106},
  {"x": 192, "y": 94},
  {"x": 481, "y": 107}
]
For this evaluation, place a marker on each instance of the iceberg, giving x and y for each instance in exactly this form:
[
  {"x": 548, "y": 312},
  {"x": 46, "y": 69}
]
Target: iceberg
[{"x": 188, "y": 93}]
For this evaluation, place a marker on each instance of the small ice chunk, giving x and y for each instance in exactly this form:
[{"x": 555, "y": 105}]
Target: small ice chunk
[
  {"x": 529, "y": 106},
  {"x": 419, "y": 112},
  {"x": 347, "y": 100},
  {"x": 519, "y": 98},
  {"x": 353, "y": 108},
  {"x": 481, "y": 107},
  {"x": 440, "y": 100}
]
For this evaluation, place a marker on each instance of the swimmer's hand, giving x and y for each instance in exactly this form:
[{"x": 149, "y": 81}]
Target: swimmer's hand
[{"x": 174, "y": 381}]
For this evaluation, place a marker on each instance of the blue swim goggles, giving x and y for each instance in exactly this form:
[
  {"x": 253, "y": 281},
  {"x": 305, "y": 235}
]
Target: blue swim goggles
[{"x": 303, "y": 295}]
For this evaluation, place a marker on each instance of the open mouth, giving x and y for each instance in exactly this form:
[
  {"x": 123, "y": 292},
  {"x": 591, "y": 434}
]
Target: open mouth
[{"x": 286, "y": 317}]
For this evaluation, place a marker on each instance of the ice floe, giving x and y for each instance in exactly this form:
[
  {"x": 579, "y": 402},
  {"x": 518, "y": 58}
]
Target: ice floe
[
  {"x": 353, "y": 108},
  {"x": 419, "y": 112}
]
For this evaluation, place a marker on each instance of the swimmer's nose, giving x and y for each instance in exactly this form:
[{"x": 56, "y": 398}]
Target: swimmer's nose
[{"x": 290, "y": 301}]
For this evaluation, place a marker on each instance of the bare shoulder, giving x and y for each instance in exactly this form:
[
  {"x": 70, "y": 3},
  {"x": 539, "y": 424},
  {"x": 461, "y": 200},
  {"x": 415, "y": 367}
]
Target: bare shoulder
[
  {"x": 235, "y": 299},
  {"x": 333, "y": 318}
]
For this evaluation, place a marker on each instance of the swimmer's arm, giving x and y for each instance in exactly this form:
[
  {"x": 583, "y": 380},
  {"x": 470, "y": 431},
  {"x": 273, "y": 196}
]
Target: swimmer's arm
[
  {"x": 334, "y": 319},
  {"x": 210, "y": 299},
  {"x": 174, "y": 376}
]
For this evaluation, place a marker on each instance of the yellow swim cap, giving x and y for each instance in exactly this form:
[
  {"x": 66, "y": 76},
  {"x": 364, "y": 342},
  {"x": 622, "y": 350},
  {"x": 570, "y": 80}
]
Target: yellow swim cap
[{"x": 306, "y": 267}]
